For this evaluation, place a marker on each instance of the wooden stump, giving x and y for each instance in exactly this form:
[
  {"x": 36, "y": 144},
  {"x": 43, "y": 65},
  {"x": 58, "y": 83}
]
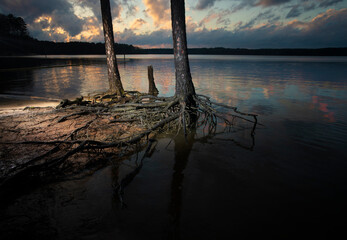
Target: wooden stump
[{"x": 152, "y": 89}]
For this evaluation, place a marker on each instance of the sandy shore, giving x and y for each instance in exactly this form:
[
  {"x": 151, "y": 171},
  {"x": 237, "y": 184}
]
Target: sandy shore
[
  {"x": 39, "y": 121},
  {"x": 10, "y": 106}
]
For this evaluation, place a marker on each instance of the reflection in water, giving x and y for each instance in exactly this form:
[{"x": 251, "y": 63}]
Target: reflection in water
[
  {"x": 16, "y": 83},
  {"x": 183, "y": 147},
  {"x": 328, "y": 114},
  {"x": 293, "y": 182},
  {"x": 119, "y": 185}
]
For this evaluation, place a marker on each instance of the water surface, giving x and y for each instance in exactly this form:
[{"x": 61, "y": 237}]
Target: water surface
[{"x": 289, "y": 181}]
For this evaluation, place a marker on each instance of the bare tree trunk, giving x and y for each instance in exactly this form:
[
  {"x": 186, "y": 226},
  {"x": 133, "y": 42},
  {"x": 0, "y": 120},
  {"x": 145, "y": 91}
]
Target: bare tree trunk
[
  {"x": 184, "y": 84},
  {"x": 152, "y": 89},
  {"x": 112, "y": 68}
]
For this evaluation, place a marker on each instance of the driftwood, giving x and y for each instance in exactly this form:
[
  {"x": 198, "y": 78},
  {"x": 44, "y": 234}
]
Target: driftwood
[{"x": 77, "y": 101}]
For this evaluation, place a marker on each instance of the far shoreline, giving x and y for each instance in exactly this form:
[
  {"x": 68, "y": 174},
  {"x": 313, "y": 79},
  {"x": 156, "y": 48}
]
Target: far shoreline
[
  {"x": 8, "y": 105},
  {"x": 21, "y": 47}
]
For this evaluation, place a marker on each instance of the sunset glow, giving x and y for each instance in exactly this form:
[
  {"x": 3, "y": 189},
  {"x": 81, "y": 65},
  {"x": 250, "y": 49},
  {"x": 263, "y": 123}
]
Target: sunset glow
[{"x": 210, "y": 23}]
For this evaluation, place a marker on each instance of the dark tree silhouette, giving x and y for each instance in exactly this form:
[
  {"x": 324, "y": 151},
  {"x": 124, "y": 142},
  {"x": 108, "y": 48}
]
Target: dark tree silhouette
[
  {"x": 13, "y": 26},
  {"x": 112, "y": 68},
  {"x": 184, "y": 85}
]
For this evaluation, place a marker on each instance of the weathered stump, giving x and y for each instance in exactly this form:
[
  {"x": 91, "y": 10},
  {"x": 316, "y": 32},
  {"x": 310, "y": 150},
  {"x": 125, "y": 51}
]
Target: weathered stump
[{"x": 152, "y": 89}]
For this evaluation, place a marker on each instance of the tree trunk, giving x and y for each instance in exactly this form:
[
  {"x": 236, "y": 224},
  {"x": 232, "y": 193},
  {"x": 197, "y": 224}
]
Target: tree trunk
[
  {"x": 184, "y": 85},
  {"x": 152, "y": 89},
  {"x": 112, "y": 68}
]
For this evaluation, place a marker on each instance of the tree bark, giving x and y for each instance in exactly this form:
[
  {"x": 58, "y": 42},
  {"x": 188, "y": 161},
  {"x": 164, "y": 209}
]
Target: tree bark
[
  {"x": 112, "y": 68},
  {"x": 184, "y": 85},
  {"x": 152, "y": 89}
]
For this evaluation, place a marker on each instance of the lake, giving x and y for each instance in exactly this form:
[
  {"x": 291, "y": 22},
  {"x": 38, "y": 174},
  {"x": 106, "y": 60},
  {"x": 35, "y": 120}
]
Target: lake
[{"x": 288, "y": 180}]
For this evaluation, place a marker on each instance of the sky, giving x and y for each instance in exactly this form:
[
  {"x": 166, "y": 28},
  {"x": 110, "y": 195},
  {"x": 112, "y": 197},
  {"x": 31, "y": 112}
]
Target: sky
[{"x": 210, "y": 23}]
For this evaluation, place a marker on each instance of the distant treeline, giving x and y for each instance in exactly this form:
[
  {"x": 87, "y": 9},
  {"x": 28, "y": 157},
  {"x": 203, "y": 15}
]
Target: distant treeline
[
  {"x": 244, "y": 51},
  {"x": 15, "y": 40},
  {"x": 16, "y": 46}
]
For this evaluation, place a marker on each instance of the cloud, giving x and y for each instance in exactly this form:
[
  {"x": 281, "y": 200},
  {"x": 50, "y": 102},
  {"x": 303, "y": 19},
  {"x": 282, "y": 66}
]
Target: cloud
[
  {"x": 297, "y": 8},
  {"x": 94, "y": 6},
  {"x": 64, "y": 20},
  {"x": 294, "y": 12},
  {"x": 258, "y": 3},
  {"x": 221, "y": 17},
  {"x": 30, "y": 9},
  {"x": 268, "y": 15},
  {"x": 191, "y": 25},
  {"x": 328, "y": 3},
  {"x": 203, "y": 4},
  {"x": 60, "y": 12},
  {"x": 268, "y": 3},
  {"x": 159, "y": 11},
  {"x": 56, "y": 20},
  {"x": 306, "y": 5},
  {"x": 328, "y": 29},
  {"x": 137, "y": 23},
  {"x": 160, "y": 37}
]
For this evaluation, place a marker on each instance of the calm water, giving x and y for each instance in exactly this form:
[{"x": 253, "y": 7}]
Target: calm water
[{"x": 289, "y": 181}]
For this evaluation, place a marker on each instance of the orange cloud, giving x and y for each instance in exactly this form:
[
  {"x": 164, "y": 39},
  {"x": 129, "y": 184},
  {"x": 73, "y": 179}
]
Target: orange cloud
[
  {"x": 43, "y": 18},
  {"x": 298, "y": 24},
  {"x": 137, "y": 23},
  {"x": 191, "y": 25},
  {"x": 159, "y": 11}
]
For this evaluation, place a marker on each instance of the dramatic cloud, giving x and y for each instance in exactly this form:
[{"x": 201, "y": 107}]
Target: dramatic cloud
[
  {"x": 33, "y": 8},
  {"x": 307, "y": 5},
  {"x": 60, "y": 14},
  {"x": 94, "y": 6},
  {"x": 159, "y": 10},
  {"x": 297, "y": 7},
  {"x": 159, "y": 38},
  {"x": 258, "y": 24},
  {"x": 328, "y": 29},
  {"x": 64, "y": 20},
  {"x": 137, "y": 23}
]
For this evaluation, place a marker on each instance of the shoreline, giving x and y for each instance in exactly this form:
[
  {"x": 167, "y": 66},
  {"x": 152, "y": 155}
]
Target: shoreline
[
  {"x": 35, "y": 133},
  {"x": 6, "y": 103},
  {"x": 10, "y": 106}
]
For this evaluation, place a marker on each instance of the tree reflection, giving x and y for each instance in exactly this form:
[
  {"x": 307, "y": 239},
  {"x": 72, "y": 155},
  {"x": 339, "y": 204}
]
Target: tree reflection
[
  {"x": 183, "y": 145},
  {"x": 120, "y": 185},
  {"x": 182, "y": 149}
]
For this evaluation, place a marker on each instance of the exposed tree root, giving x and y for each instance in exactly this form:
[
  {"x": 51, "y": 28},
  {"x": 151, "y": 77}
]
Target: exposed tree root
[{"x": 93, "y": 134}]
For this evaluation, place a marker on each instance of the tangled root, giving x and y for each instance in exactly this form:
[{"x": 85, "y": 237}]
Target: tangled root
[{"x": 148, "y": 114}]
